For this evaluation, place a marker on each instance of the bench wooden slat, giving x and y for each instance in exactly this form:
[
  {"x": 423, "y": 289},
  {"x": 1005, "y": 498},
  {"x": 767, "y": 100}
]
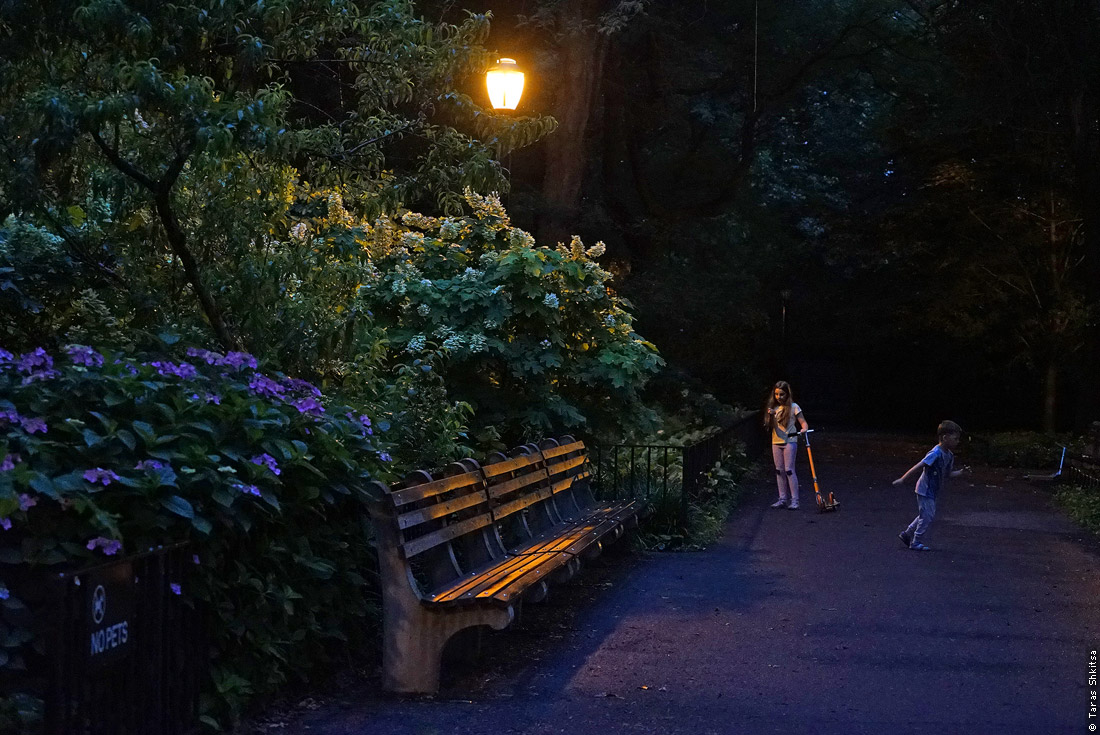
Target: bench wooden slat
[
  {"x": 597, "y": 523},
  {"x": 551, "y": 452},
  {"x": 509, "y": 465},
  {"x": 515, "y": 483},
  {"x": 486, "y": 584},
  {"x": 506, "y": 509},
  {"x": 435, "y": 538},
  {"x": 426, "y": 490},
  {"x": 556, "y": 468},
  {"x": 439, "y": 510}
]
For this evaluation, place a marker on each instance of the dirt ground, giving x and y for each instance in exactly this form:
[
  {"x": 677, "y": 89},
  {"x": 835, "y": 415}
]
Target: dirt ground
[{"x": 795, "y": 622}]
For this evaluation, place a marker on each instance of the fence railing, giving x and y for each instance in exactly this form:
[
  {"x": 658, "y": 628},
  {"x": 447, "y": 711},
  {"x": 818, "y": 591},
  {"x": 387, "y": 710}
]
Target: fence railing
[
  {"x": 1084, "y": 471},
  {"x": 666, "y": 474},
  {"x": 127, "y": 648}
]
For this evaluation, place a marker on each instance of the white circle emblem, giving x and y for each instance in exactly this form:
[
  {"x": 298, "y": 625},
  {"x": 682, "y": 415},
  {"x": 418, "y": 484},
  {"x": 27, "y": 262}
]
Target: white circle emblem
[{"x": 99, "y": 604}]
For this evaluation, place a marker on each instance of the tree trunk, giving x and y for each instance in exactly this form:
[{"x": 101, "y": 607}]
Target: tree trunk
[
  {"x": 178, "y": 241},
  {"x": 1050, "y": 395},
  {"x": 583, "y": 52}
]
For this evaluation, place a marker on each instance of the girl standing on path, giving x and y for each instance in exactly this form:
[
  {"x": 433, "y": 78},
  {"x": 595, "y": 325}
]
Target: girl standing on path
[{"x": 782, "y": 418}]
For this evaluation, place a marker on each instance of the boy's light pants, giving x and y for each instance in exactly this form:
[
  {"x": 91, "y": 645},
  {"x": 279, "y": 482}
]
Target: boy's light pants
[{"x": 926, "y": 508}]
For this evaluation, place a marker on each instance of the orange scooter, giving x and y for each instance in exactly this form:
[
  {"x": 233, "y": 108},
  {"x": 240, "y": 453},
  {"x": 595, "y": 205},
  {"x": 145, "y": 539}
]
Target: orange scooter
[{"x": 828, "y": 502}]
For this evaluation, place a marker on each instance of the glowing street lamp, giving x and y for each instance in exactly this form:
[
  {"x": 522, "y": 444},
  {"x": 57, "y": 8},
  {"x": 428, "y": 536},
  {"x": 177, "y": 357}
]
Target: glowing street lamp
[{"x": 505, "y": 84}]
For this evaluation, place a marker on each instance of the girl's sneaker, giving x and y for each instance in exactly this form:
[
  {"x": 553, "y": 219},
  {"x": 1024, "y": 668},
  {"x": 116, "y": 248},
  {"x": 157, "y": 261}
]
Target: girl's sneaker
[
  {"x": 781, "y": 503},
  {"x": 918, "y": 546},
  {"x": 793, "y": 506}
]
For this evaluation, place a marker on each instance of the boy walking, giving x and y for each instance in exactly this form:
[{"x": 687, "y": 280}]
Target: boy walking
[{"x": 936, "y": 467}]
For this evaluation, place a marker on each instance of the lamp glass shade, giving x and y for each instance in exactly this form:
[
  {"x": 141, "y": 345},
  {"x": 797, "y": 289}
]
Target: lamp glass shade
[{"x": 505, "y": 84}]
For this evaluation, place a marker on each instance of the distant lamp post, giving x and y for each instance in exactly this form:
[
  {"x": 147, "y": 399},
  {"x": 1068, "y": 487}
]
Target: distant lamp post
[{"x": 505, "y": 84}]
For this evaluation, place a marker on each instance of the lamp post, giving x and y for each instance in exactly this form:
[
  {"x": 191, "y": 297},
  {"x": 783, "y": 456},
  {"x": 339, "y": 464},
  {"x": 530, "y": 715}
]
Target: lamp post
[{"x": 504, "y": 81}]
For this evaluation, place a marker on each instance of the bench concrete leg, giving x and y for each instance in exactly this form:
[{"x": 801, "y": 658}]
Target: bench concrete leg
[{"x": 414, "y": 639}]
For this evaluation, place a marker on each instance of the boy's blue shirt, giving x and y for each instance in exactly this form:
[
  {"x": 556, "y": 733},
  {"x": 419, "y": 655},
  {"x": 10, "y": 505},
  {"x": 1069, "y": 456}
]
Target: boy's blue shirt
[{"x": 937, "y": 465}]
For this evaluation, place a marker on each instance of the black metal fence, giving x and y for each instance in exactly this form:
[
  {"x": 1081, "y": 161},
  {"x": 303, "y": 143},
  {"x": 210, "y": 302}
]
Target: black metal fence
[
  {"x": 128, "y": 648},
  {"x": 1084, "y": 471},
  {"x": 665, "y": 474}
]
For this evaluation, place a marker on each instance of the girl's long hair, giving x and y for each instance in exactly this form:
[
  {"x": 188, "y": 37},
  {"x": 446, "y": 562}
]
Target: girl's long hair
[{"x": 782, "y": 415}]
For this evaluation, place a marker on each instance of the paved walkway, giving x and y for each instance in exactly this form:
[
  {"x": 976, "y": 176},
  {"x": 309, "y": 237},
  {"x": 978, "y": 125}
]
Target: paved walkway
[{"x": 797, "y": 623}]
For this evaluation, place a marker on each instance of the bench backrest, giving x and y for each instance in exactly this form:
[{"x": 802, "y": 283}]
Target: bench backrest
[
  {"x": 444, "y": 524},
  {"x": 469, "y": 514}
]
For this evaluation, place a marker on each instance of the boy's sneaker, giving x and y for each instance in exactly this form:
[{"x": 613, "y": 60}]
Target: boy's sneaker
[
  {"x": 906, "y": 538},
  {"x": 918, "y": 546},
  {"x": 781, "y": 503}
]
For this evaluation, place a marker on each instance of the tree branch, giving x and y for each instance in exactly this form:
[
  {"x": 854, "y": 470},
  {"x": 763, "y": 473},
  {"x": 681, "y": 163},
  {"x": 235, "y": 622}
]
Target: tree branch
[{"x": 123, "y": 165}]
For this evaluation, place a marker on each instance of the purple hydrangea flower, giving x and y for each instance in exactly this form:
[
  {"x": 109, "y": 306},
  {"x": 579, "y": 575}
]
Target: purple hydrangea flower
[
  {"x": 26, "y": 502},
  {"x": 100, "y": 475},
  {"x": 210, "y": 358},
  {"x": 175, "y": 588},
  {"x": 110, "y": 547},
  {"x": 9, "y": 416},
  {"x": 237, "y": 360},
  {"x": 262, "y": 385},
  {"x": 84, "y": 355},
  {"x": 9, "y": 462},
  {"x": 195, "y": 559},
  {"x": 214, "y": 398},
  {"x": 267, "y": 459},
  {"x": 39, "y": 375},
  {"x": 32, "y": 425},
  {"x": 30, "y": 362},
  {"x": 6, "y": 358},
  {"x": 248, "y": 489},
  {"x": 184, "y": 370},
  {"x": 5, "y": 523},
  {"x": 310, "y": 406},
  {"x": 149, "y": 464},
  {"x": 4, "y": 594},
  {"x": 302, "y": 386},
  {"x": 385, "y": 457}
]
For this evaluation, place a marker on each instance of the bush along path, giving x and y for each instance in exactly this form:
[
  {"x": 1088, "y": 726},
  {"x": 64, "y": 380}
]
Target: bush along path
[{"x": 793, "y": 622}]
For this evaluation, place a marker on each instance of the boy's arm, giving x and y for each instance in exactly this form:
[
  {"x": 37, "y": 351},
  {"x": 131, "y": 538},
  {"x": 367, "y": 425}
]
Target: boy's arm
[{"x": 912, "y": 471}]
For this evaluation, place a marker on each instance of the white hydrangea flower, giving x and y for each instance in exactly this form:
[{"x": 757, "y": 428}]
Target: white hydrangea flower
[
  {"x": 449, "y": 229},
  {"x": 423, "y": 310},
  {"x": 470, "y": 274},
  {"x": 399, "y": 287},
  {"x": 546, "y": 344},
  {"x": 487, "y": 258},
  {"x": 610, "y": 320},
  {"x": 517, "y": 238},
  {"x": 416, "y": 344},
  {"x": 495, "y": 290},
  {"x": 426, "y": 282},
  {"x": 300, "y": 231},
  {"x": 454, "y": 342},
  {"x": 412, "y": 239},
  {"x": 597, "y": 250},
  {"x": 551, "y": 300},
  {"x": 478, "y": 343}
]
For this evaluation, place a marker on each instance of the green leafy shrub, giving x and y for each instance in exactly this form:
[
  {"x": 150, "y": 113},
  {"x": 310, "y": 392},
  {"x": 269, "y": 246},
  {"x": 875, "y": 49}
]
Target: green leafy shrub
[
  {"x": 525, "y": 340},
  {"x": 108, "y": 456},
  {"x": 1023, "y": 448}
]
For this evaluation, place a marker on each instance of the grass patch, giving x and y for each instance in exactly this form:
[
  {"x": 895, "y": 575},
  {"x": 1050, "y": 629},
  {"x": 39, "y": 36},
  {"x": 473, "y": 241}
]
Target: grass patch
[{"x": 1082, "y": 504}]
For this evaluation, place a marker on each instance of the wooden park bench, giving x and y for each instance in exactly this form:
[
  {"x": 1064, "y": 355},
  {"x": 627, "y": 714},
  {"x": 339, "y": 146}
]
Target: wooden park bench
[{"x": 466, "y": 547}]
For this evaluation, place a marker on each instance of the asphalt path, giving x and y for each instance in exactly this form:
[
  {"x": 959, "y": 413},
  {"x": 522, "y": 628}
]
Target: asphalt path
[{"x": 795, "y": 622}]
